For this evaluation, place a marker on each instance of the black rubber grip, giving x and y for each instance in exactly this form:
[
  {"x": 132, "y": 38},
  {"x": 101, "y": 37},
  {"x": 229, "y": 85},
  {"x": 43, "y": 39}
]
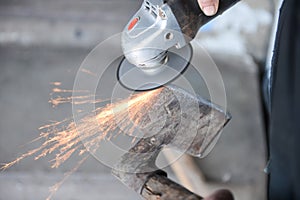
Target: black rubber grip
[{"x": 190, "y": 17}]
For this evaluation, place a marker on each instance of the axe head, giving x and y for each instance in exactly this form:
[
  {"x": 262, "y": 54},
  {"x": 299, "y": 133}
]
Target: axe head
[{"x": 176, "y": 119}]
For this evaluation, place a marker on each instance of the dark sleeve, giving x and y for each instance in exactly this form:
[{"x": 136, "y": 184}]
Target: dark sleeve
[{"x": 284, "y": 126}]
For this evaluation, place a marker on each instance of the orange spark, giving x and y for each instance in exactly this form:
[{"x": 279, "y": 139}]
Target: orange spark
[
  {"x": 88, "y": 72},
  {"x": 59, "y": 90},
  {"x": 65, "y": 138},
  {"x": 56, "y": 83},
  {"x": 55, "y": 187}
]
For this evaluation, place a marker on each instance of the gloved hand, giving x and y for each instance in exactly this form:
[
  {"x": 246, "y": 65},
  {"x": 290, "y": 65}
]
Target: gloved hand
[{"x": 209, "y": 7}]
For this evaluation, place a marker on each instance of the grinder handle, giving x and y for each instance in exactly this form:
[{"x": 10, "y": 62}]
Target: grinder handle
[{"x": 190, "y": 17}]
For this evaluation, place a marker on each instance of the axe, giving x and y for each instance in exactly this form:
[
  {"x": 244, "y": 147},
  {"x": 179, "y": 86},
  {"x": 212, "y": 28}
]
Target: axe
[{"x": 186, "y": 123}]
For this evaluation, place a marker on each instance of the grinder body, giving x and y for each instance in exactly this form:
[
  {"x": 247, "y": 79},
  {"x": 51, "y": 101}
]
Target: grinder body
[{"x": 159, "y": 27}]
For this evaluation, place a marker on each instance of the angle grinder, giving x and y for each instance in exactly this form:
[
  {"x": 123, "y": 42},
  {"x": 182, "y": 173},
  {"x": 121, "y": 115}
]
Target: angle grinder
[
  {"x": 156, "y": 42},
  {"x": 153, "y": 51}
]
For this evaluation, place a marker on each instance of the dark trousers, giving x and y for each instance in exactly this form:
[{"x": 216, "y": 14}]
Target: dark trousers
[{"x": 284, "y": 119}]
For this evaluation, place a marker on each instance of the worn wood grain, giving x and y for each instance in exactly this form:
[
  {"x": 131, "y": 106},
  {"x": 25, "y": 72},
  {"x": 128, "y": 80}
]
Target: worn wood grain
[{"x": 159, "y": 187}]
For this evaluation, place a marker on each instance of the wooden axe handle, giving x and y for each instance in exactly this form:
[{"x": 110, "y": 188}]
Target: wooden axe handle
[{"x": 159, "y": 187}]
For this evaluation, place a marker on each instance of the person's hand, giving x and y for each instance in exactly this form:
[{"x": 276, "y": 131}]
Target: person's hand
[{"x": 209, "y": 7}]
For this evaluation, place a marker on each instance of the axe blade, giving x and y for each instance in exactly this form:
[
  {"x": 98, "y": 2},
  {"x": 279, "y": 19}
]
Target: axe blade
[{"x": 186, "y": 122}]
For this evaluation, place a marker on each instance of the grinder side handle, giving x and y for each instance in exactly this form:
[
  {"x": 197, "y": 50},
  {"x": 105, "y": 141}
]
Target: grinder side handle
[{"x": 190, "y": 17}]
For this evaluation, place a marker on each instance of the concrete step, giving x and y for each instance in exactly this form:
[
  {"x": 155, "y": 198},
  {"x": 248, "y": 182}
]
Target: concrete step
[{"x": 63, "y": 23}]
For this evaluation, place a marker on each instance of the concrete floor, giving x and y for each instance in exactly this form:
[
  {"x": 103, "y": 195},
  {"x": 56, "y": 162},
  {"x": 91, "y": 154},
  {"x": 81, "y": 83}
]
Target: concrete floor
[
  {"x": 46, "y": 41},
  {"x": 28, "y": 186}
]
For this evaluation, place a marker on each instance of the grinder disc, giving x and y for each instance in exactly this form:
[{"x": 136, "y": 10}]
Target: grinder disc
[{"x": 134, "y": 78}]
